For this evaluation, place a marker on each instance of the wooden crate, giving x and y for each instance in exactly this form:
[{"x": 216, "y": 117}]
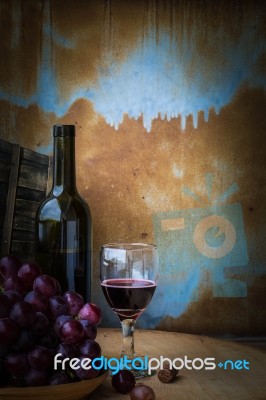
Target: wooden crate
[{"x": 23, "y": 184}]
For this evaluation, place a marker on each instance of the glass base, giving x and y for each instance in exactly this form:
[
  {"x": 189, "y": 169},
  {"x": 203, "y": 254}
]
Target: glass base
[
  {"x": 138, "y": 365},
  {"x": 139, "y": 374}
]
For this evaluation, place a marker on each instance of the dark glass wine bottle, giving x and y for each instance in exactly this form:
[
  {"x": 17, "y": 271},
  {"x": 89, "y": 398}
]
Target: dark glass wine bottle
[{"x": 63, "y": 222}]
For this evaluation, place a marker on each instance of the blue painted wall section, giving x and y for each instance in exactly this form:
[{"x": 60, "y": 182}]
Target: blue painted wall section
[
  {"x": 165, "y": 76},
  {"x": 193, "y": 244},
  {"x": 168, "y": 78}
]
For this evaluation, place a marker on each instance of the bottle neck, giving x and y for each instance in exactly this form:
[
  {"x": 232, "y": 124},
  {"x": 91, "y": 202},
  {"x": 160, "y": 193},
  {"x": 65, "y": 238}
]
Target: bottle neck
[{"x": 64, "y": 171}]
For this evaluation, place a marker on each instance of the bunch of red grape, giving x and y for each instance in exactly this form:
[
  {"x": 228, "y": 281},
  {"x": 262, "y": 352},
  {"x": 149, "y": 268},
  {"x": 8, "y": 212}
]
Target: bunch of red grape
[{"x": 37, "y": 322}]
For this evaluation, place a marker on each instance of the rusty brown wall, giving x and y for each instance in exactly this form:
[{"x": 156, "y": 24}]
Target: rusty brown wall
[{"x": 168, "y": 98}]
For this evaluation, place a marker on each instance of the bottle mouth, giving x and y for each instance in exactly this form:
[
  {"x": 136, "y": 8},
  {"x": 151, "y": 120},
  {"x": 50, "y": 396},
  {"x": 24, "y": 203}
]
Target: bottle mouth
[{"x": 64, "y": 131}]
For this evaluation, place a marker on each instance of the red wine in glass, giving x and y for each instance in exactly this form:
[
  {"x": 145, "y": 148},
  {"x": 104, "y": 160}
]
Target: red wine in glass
[
  {"x": 128, "y": 297},
  {"x": 129, "y": 276}
]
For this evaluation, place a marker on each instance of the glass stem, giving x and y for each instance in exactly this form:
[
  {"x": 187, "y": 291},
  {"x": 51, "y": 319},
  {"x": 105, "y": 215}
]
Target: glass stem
[{"x": 128, "y": 326}]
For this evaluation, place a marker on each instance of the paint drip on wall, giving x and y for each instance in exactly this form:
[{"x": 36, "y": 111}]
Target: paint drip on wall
[
  {"x": 169, "y": 78},
  {"x": 166, "y": 75}
]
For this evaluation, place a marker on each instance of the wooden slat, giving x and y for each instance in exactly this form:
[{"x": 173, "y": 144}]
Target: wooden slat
[
  {"x": 11, "y": 197},
  {"x": 34, "y": 156},
  {"x": 2, "y": 206},
  {"x": 3, "y": 190},
  {"x": 32, "y": 178},
  {"x": 23, "y": 223},
  {"x": 5, "y": 156},
  {"x": 30, "y": 194},
  {"x": 26, "y": 207},
  {"x": 2, "y": 218},
  {"x": 28, "y": 236},
  {"x": 2, "y": 213},
  {"x": 23, "y": 185},
  {"x": 23, "y": 249},
  {"x": 6, "y": 147},
  {"x": 5, "y": 171}
]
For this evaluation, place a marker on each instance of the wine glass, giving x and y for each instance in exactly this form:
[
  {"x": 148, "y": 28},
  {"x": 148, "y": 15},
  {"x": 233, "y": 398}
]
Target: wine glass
[{"x": 129, "y": 276}]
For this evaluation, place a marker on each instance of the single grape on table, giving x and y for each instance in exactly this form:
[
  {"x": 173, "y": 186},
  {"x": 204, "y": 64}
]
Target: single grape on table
[
  {"x": 124, "y": 381},
  {"x": 142, "y": 392}
]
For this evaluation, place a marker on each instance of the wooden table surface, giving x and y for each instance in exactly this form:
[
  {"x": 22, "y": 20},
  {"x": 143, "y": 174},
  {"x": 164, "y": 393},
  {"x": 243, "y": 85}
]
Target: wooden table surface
[{"x": 217, "y": 384}]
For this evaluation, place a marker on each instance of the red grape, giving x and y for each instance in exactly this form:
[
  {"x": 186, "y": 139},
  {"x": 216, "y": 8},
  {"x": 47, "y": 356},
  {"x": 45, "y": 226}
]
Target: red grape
[
  {"x": 45, "y": 285},
  {"x": 40, "y": 358},
  {"x": 49, "y": 339},
  {"x": 57, "y": 306},
  {"x": 90, "y": 329},
  {"x": 38, "y": 302},
  {"x": 41, "y": 324},
  {"x": 9, "y": 331},
  {"x": 37, "y": 322},
  {"x": 14, "y": 283},
  {"x": 67, "y": 350},
  {"x": 60, "y": 321},
  {"x": 28, "y": 272},
  {"x": 91, "y": 313},
  {"x": 84, "y": 374},
  {"x": 123, "y": 381},
  {"x": 59, "y": 378},
  {"x": 23, "y": 313},
  {"x": 13, "y": 295},
  {"x": 90, "y": 348},
  {"x": 9, "y": 266},
  {"x": 17, "y": 363},
  {"x": 25, "y": 341},
  {"x": 58, "y": 287},
  {"x": 75, "y": 302},
  {"x": 142, "y": 392},
  {"x": 4, "y": 350},
  {"x": 71, "y": 331},
  {"x": 5, "y": 306},
  {"x": 36, "y": 377}
]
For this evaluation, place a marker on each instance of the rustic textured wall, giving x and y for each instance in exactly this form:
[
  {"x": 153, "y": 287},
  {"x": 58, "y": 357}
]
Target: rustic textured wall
[{"x": 169, "y": 102}]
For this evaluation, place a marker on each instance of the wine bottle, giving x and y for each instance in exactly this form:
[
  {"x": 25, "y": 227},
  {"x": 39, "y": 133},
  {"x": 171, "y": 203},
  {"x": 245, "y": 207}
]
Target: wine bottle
[{"x": 63, "y": 222}]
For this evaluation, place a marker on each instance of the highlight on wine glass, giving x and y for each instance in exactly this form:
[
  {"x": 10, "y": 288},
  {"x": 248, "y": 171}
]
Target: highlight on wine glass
[{"x": 129, "y": 276}]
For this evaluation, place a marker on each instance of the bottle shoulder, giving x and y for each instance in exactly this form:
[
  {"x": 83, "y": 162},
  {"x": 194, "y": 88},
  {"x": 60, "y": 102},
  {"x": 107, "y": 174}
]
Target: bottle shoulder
[{"x": 63, "y": 206}]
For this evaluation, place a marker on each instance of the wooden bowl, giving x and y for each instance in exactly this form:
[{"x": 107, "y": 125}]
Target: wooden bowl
[{"x": 67, "y": 391}]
